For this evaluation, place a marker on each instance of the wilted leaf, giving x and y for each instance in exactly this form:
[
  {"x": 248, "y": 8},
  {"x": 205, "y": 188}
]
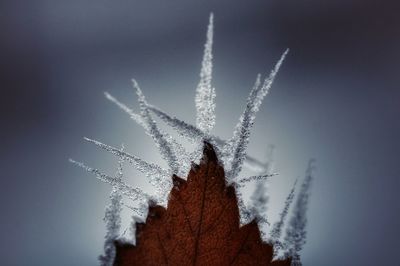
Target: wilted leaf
[{"x": 199, "y": 227}]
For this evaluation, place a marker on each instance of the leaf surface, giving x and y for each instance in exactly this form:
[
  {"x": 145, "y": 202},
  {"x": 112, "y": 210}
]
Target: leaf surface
[{"x": 199, "y": 227}]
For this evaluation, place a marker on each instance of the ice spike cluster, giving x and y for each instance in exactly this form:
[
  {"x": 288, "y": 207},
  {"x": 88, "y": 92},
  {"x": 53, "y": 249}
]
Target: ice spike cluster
[{"x": 232, "y": 154}]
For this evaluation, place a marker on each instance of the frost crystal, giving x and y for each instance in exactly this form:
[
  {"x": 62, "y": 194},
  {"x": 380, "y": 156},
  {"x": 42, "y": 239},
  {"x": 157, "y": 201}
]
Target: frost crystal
[
  {"x": 163, "y": 146},
  {"x": 196, "y": 135},
  {"x": 245, "y": 212},
  {"x": 254, "y": 178},
  {"x": 152, "y": 171},
  {"x": 158, "y": 177},
  {"x": 232, "y": 154},
  {"x": 137, "y": 118},
  {"x": 175, "y": 154},
  {"x": 236, "y": 147},
  {"x": 133, "y": 193},
  {"x": 205, "y": 94},
  {"x": 296, "y": 232},
  {"x": 259, "y": 199},
  {"x": 277, "y": 227},
  {"x": 192, "y": 133},
  {"x": 112, "y": 218},
  {"x": 259, "y": 204}
]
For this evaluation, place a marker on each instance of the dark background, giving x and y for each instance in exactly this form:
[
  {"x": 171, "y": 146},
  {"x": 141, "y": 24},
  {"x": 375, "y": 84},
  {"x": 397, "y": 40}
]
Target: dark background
[{"x": 337, "y": 99}]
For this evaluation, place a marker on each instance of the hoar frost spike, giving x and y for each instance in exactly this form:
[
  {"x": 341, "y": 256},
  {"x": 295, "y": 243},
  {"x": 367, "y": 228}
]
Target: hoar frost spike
[
  {"x": 260, "y": 198},
  {"x": 205, "y": 94},
  {"x": 112, "y": 218},
  {"x": 278, "y": 225},
  {"x": 296, "y": 232},
  {"x": 163, "y": 146},
  {"x": 180, "y": 158},
  {"x": 236, "y": 147},
  {"x": 231, "y": 154},
  {"x": 259, "y": 202},
  {"x": 132, "y": 193},
  {"x": 195, "y": 135}
]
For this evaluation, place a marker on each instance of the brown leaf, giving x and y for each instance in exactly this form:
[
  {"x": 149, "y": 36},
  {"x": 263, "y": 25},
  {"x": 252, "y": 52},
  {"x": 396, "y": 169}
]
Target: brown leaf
[{"x": 199, "y": 227}]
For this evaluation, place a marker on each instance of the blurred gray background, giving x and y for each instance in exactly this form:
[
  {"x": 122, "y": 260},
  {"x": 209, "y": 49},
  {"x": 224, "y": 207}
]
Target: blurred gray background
[{"x": 336, "y": 99}]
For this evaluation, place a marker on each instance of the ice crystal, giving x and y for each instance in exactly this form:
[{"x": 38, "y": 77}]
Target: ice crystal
[
  {"x": 151, "y": 170},
  {"x": 165, "y": 148},
  {"x": 276, "y": 230},
  {"x": 178, "y": 159},
  {"x": 196, "y": 135},
  {"x": 245, "y": 212},
  {"x": 235, "y": 148},
  {"x": 138, "y": 211},
  {"x": 259, "y": 199},
  {"x": 296, "y": 232},
  {"x": 136, "y": 117},
  {"x": 205, "y": 94},
  {"x": 112, "y": 218},
  {"x": 134, "y": 193},
  {"x": 259, "y": 205},
  {"x": 176, "y": 156},
  {"x": 254, "y": 178},
  {"x": 232, "y": 154}
]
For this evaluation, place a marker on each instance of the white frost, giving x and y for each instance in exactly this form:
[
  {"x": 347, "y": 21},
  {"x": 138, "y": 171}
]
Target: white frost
[
  {"x": 205, "y": 94},
  {"x": 296, "y": 231},
  {"x": 165, "y": 149},
  {"x": 231, "y": 152},
  {"x": 235, "y": 148},
  {"x": 192, "y": 133},
  {"x": 112, "y": 219},
  {"x": 180, "y": 158},
  {"x": 136, "y": 117},
  {"x": 133, "y": 193},
  {"x": 254, "y": 178},
  {"x": 259, "y": 205},
  {"x": 158, "y": 177},
  {"x": 276, "y": 230}
]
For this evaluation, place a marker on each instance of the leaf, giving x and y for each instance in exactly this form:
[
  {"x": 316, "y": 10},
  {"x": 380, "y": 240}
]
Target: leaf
[{"x": 199, "y": 227}]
